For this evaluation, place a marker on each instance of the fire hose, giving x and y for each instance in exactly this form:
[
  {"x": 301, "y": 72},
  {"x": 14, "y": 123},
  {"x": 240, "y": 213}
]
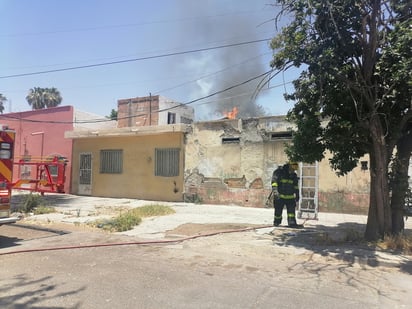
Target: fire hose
[{"x": 146, "y": 242}]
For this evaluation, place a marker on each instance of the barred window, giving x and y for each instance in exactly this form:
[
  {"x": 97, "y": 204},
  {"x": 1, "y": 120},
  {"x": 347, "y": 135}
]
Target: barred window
[
  {"x": 171, "y": 118},
  {"x": 167, "y": 162},
  {"x": 111, "y": 161}
]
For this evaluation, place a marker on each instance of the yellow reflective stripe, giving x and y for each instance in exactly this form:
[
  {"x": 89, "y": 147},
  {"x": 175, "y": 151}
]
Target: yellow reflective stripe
[
  {"x": 286, "y": 197},
  {"x": 286, "y": 181},
  {"x": 291, "y": 215},
  {"x": 274, "y": 184}
]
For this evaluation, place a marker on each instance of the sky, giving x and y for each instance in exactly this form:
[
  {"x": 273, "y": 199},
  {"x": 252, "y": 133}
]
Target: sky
[{"x": 207, "y": 54}]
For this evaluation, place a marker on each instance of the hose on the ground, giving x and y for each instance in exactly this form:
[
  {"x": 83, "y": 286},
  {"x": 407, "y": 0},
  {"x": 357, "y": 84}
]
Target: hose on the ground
[{"x": 145, "y": 242}]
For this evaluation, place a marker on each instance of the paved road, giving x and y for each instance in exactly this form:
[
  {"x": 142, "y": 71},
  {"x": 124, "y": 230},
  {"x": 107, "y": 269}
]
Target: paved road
[
  {"x": 251, "y": 272},
  {"x": 244, "y": 269}
]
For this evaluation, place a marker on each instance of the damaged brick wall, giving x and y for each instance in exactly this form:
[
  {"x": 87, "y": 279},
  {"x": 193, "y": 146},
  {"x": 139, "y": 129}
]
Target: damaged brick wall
[
  {"x": 231, "y": 161},
  {"x": 230, "y": 191}
]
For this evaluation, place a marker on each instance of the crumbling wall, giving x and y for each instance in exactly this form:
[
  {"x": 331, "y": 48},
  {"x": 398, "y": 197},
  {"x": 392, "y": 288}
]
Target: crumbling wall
[{"x": 226, "y": 162}]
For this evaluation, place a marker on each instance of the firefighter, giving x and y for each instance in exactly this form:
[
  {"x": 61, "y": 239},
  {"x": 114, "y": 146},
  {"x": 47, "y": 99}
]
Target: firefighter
[{"x": 285, "y": 188}]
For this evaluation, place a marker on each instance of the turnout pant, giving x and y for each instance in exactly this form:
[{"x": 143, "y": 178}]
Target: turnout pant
[{"x": 290, "y": 204}]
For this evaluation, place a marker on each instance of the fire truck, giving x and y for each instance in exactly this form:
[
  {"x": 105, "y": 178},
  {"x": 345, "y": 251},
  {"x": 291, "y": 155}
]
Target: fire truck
[
  {"x": 35, "y": 174},
  {"x": 7, "y": 138}
]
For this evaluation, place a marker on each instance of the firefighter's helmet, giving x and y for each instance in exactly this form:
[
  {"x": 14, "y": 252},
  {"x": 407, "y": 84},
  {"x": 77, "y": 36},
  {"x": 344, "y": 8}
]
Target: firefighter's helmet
[{"x": 293, "y": 165}]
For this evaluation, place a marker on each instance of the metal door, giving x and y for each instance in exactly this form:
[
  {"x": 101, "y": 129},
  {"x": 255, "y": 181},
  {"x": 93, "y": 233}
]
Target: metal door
[{"x": 85, "y": 174}]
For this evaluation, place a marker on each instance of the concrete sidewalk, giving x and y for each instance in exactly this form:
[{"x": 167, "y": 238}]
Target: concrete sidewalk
[{"x": 82, "y": 209}]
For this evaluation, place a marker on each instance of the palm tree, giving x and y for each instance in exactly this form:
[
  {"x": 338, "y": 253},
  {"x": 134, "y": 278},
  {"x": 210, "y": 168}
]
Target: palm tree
[
  {"x": 39, "y": 98},
  {"x": 52, "y": 97},
  {"x": 35, "y": 98},
  {"x": 3, "y": 99}
]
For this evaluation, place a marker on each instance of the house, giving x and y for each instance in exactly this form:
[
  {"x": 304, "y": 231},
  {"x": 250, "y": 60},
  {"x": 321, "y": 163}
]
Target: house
[
  {"x": 227, "y": 161},
  {"x": 40, "y": 134},
  {"x": 231, "y": 161},
  {"x": 132, "y": 162},
  {"x": 151, "y": 111}
]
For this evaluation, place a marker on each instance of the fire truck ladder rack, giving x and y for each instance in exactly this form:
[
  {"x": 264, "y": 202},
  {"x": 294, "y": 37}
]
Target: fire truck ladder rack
[
  {"x": 308, "y": 187},
  {"x": 41, "y": 175}
]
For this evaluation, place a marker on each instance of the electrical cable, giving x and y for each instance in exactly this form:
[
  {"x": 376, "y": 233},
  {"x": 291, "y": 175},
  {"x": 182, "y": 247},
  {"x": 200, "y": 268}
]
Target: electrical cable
[
  {"x": 130, "y": 60},
  {"x": 132, "y": 116}
]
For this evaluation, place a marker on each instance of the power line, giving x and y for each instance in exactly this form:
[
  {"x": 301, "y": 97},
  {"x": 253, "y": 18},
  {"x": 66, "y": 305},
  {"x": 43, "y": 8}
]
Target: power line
[
  {"x": 132, "y": 116},
  {"x": 130, "y": 60}
]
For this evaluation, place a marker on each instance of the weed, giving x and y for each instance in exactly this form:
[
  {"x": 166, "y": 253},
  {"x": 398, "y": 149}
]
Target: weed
[
  {"x": 401, "y": 243},
  {"x": 29, "y": 203},
  {"x": 193, "y": 198},
  {"x": 41, "y": 210},
  {"x": 152, "y": 211},
  {"x": 126, "y": 221}
]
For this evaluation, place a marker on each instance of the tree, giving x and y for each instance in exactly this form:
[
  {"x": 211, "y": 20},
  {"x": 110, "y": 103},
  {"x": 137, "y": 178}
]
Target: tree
[
  {"x": 3, "y": 99},
  {"x": 353, "y": 96},
  {"x": 113, "y": 115},
  {"x": 39, "y": 98}
]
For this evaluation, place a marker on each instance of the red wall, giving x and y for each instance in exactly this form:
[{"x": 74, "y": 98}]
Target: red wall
[{"x": 53, "y": 122}]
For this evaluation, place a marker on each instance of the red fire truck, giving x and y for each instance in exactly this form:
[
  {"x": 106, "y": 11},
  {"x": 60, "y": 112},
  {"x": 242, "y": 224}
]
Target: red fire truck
[{"x": 7, "y": 138}]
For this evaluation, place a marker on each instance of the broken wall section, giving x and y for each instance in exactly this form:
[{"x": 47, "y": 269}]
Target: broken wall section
[{"x": 231, "y": 161}]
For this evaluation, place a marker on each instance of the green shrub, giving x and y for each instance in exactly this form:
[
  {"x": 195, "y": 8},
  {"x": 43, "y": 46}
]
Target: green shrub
[
  {"x": 131, "y": 218},
  {"x": 121, "y": 223},
  {"x": 29, "y": 203},
  {"x": 41, "y": 210},
  {"x": 152, "y": 211}
]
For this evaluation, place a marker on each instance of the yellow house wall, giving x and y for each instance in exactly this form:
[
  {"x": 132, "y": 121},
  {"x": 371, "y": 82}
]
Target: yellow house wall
[
  {"x": 138, "y": 179},
  {"x": 357, "y": 181}
]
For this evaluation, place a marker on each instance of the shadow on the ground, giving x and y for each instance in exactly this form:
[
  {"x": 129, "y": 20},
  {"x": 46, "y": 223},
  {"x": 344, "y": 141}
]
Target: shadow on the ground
[
  {"x": 22, "y": 232},
  {"x": 18, "y": 199},
  {"x": 22, "y": 291},
  {"x": 344, "y": 242}
]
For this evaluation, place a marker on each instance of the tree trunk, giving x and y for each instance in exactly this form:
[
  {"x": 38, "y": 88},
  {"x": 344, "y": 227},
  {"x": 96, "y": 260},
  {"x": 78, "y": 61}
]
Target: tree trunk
[
  {"x": 400, "y": 183},
  {"x": 379, "y": 218}
]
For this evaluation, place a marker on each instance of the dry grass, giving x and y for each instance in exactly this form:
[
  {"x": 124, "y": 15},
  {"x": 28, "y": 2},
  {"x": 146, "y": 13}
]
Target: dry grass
[{"x": 399, "y": 243}]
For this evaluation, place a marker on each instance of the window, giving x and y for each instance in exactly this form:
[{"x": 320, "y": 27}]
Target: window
[
  {"x": 171, "y": 118},
  {"x": 230, "y": 140},
  {"x": 111, "y": 161},
  {"x": 167, "y": 162},
  {"x": 364, "y": 165},
  {"x": 280, "y": 135}
]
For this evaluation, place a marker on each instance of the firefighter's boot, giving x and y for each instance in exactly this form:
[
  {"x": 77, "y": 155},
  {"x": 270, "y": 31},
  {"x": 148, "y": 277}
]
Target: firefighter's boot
[
  {"x": 277, "y": 221},
  {"x": 292, "y": 220}
]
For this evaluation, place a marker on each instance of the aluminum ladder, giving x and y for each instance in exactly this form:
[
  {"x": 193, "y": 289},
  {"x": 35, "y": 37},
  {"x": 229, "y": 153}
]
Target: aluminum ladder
[{"x": 308, "y": 190}]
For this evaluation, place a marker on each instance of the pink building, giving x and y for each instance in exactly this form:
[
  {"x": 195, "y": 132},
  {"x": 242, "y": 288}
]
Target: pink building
[{"x": 40, "y": 133}]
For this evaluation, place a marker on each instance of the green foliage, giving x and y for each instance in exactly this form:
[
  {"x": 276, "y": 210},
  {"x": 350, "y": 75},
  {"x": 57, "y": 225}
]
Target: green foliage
[
  {"x": 345, "y": 83},
  {"x": 39, "y": 98},
  {"x": 3, "y": 99},
  {"x": 113, "y": 115},
  {"x": 152, "y": 210},
  {"x": 353, "y": 96},
  {"x": 193, "y": 198},
  {"x": 133, "y": 217},
  {"x": 42, "y": 210},
  {"x": 123, "y": 222},
  {"x": 29, "y": 203}
]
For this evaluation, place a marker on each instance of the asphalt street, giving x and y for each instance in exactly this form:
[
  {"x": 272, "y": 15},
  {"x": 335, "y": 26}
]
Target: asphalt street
[{"x": 203, "y": 256}]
